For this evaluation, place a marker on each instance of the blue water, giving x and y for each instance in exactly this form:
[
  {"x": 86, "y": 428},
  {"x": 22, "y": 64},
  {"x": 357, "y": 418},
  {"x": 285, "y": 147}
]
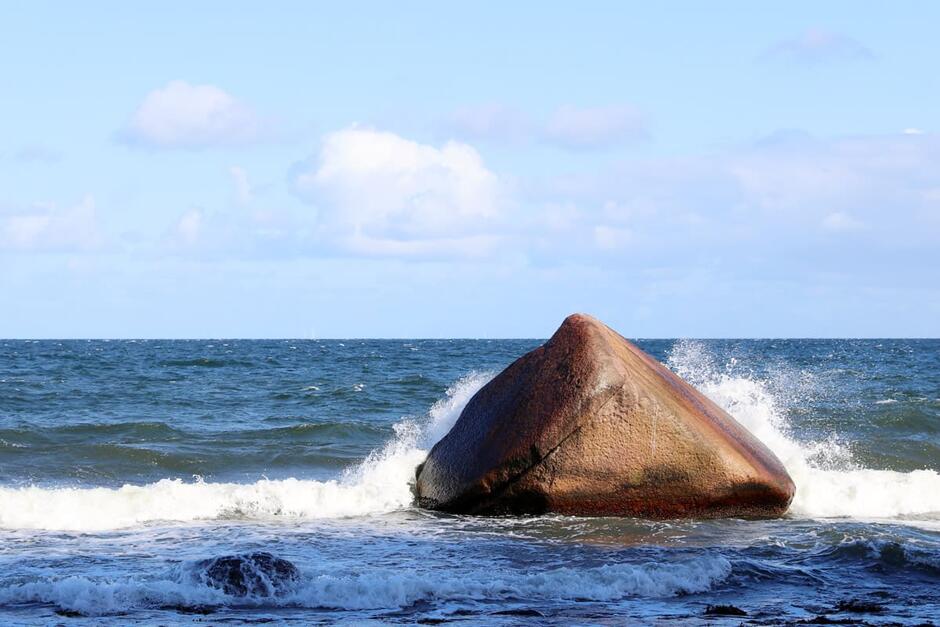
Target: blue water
[{"x": 125, "y": 465}]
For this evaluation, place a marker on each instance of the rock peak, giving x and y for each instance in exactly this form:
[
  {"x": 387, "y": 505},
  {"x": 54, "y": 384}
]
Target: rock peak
[{"x": 589, "y": 424}]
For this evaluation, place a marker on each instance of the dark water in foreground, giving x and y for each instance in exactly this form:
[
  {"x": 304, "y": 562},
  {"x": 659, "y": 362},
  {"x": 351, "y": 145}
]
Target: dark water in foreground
[{"x": 125, "y": 465}]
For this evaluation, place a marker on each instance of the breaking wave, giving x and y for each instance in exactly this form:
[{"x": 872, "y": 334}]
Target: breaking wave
[
  {"x": 829, "y": 483},
  {"x": 378, "y": 588},
  {"x": 381, "y": 483}
]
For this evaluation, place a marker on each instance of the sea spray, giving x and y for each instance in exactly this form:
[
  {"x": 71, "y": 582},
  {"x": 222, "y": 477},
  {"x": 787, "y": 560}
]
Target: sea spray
[
  {"x": 381, "y": 483},
  {"x": 828, "y": 481}
]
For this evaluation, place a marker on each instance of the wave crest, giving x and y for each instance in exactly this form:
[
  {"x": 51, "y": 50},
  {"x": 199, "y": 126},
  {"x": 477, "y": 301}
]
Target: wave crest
[
  {"x": 829, "y": 483},
  {"x": 383, "y": 588},
  {"x": 381, "y": 483}
]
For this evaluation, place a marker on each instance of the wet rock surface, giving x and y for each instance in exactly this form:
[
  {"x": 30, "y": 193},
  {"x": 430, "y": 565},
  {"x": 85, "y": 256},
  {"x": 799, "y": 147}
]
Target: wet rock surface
[
  {"x": 258, "y": 574},
  {"x": 588, "y": 424}
]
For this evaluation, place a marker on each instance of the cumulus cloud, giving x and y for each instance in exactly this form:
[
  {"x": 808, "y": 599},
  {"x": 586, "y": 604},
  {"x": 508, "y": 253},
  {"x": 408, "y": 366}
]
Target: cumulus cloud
[
  {"x": 816, "y": 45},
  {"x": 187, "y": 116},
  {"x": 375, "y": 190},
  {"x": 597, "y": 127},
  {"x": 569, "y": 127},
  {"x": 50, "y": 228}
]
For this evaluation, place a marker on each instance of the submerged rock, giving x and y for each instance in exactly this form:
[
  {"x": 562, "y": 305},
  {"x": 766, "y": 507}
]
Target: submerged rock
[
  {"x": 257, "y": 574},
  {"x": 724, "y": 610},
  {"x": 859, "y": 606},
  {"x": 588, "y": 424}
]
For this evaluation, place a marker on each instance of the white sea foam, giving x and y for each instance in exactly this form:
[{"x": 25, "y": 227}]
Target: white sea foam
[
  {"x": 381, "y": 483},
  {"x": 828, "y": 481},
  {"x": 383, "y": 588}
]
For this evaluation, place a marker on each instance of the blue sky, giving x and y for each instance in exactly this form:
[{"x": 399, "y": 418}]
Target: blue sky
[{"x": 418, "y": 170}]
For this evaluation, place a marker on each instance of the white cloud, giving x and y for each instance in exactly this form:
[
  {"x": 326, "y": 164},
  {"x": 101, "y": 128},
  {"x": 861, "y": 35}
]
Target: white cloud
[
  {"x": 49, "y": 228},
  {"x": 182, "y": 115},
  {"x": 373, "y": 189},
  {"x": 597, "y": 127},
  {"x": 817, "y": 45},
  {"x": 842, "y": 183},
  {"x": 767, "y": 205},
  {"x": 912, "y": 131},
  {"x": 377, "y": 194}
]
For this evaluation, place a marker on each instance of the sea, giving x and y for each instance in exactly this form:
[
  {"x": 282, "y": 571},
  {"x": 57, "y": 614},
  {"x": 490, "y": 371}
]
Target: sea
[{"x": 156, "y": 482}]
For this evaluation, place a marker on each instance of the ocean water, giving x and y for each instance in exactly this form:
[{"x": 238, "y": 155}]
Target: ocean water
[{"x": 127, "y": 466}]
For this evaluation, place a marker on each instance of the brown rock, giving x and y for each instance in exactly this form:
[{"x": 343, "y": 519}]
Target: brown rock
[{"x": 588, "y": 424}]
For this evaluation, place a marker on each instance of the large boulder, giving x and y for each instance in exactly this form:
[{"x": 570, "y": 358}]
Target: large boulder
[{"x": 588, "y": 424}]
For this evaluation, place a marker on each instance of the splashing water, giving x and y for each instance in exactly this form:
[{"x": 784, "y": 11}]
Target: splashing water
[
  {"x": 381, "y": 483},
  {"x": 828, "y": 481}
]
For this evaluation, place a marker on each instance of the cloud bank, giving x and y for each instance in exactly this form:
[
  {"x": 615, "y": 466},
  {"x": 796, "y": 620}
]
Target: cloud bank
[{"x": 779, "y": 202}]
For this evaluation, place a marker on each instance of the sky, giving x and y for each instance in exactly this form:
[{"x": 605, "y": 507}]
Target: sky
[{"x": 358, "y": 169}]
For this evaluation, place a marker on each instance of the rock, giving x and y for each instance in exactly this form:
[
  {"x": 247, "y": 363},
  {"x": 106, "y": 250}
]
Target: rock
[
  {"x": 724, "y": 610},
  {"x": 859, "y": 606},
  {"x": 69, "y": 613},
  {"x": 590, "y": 425},
  {"x": 257, "y": 574}
]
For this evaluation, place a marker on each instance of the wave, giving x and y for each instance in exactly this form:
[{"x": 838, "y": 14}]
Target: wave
[
  {"x": 381, "y": 483},
  {"x": 829, "y": 483},
  {"x": 880, "y": 553},
  {"x": 145, "y": 430},
  {"x": 92, "y": 433},
  {"x": 378, "y": 588}
]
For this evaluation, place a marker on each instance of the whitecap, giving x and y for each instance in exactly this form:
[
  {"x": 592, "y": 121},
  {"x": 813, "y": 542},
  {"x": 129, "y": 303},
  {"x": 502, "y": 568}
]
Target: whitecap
[
  {"x": 829, "y": 483},
  {"x": 381, "y": 483},
  {"x": 381, "y": 587}
]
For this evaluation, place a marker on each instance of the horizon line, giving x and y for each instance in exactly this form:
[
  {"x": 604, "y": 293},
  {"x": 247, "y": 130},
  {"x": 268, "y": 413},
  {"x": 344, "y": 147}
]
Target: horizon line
[{"x": 436, "y": 339}]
